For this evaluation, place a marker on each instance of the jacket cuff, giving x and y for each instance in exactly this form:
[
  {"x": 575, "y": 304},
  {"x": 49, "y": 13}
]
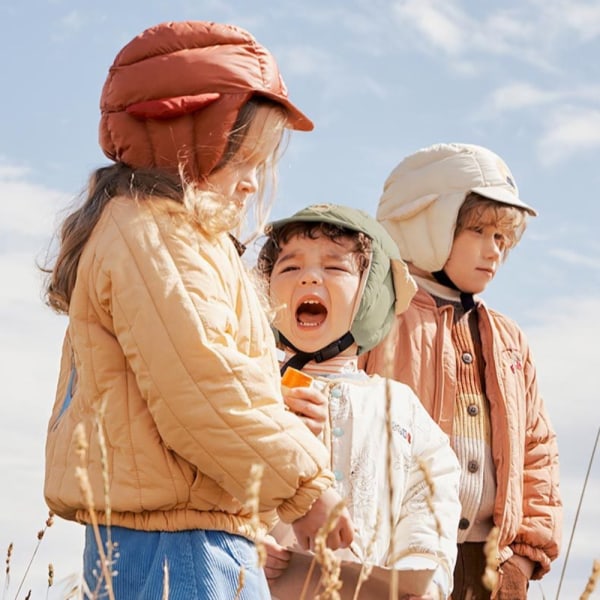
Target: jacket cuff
[
  {"x": 540, "y": 560},
  {"x": 297, "y": 506},
  {"x": 524, "y": 564}
]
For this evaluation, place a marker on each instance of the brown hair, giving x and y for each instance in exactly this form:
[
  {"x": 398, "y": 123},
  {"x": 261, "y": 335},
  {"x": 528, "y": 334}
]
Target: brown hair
[
  {"x": 478, "y": 211},
  {"x": 207, "y": 210},
  {"x": 276, "y": 239}
]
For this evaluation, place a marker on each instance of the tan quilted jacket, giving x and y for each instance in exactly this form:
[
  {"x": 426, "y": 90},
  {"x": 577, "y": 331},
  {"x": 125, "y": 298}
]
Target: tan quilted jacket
[
  {"x": 167, "y": 342},
  {"x": 528, "y": 506}
]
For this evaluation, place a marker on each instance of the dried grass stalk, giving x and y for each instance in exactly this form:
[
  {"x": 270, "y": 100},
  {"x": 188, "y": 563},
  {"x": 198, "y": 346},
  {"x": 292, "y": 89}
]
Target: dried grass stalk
[
  {"x": 40, "y": 536},
  {"x": 241, "y": 583},
  {"x": 430, "y": 494},
  {"x": 165, "y": 594},
  {"x": 492, "y": 560},
  {"x": 327, "y": 559},
  {"x": 50, "y": 575},
  {"x": 592, "y": 581},
  {"x": 253, "y": 505},
  {"x": 81, "y": 474}
]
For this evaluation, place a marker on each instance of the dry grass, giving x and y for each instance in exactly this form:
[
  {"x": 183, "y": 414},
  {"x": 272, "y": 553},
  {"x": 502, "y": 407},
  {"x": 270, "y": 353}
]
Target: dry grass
[
  {"x": 492, "y": 560},
  {"x": 327, "y": 559},
  {"x": 329, "y": 585},
  {"x": 253, "y": 505},
  {"x": 592, "y": 581}
]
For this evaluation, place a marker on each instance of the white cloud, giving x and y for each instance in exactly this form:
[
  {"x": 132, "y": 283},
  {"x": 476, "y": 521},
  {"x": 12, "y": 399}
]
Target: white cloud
[
  {"x": 443, "y": 24},
  {"x": 30, "y": 338},
  {"x": 585, "y": 18},
  {"x": 582, "y": 17},
  {"x": 27, "y": 208},
  {"x": 564, "y": 342},
  {"x": 576, "y": 258},
  {"x": 569, "y": 131},
  {"x": 522, "y": 95},
  {"x": 72, "y": 21},
  {"x": 304, "y": 61},
  {"x": 531, "y": 32},
  {"x": 519, "y": 95},
  {"x": 469, "y": 42}
]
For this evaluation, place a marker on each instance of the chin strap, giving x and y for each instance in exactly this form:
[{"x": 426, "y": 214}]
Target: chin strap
[
  {"x": 301, "y": 358},
  {"x": 466, "y": 299}
]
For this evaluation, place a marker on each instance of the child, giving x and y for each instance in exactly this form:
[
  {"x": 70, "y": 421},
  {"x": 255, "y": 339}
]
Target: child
[
  {"x": 168, "y": 352},
  {"x": 455, "y": 213},
  {"x": 335, "y": 282}
]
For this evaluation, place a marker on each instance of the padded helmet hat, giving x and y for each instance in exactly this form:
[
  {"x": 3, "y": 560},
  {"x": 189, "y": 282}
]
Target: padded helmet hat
[
  {"x": 387, "y": 291},
  {"x": 423, "y": 195},
  {"x": 174, "y": 92}
]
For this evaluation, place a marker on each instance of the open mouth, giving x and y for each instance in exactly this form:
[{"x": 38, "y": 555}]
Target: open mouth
[{"x": 310, "y": 313}]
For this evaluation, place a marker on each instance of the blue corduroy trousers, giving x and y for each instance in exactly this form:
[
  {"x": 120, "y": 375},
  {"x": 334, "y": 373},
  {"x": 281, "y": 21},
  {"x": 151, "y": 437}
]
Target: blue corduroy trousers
[{"x": 201, "y": 564}]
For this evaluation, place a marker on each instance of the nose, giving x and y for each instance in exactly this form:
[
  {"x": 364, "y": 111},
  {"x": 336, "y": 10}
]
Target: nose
[
  {"x": 249, "y": 182},
  {"x": 493, "y": 248},
  {"x": 310, "y": 277}
]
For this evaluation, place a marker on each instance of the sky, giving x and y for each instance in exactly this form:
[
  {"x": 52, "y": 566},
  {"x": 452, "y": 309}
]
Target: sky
[{"x": 380, "y": 79}]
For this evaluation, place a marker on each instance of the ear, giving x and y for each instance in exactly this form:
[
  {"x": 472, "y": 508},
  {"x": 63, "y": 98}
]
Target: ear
[
  {"x": 404, "y": 285},
  {"x": 170, "y": 108}
]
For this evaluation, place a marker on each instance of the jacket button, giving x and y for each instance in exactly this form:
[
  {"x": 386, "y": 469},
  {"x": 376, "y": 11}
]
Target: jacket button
[
  {"x": 336, "y": 392},
  {"x": 467, "y": 358},
  {"x": 473, "y": 409},
  {"x": 473, "y": 466},
  {"x": 464, "y": 523},
  {"x": 339, "y": 476},
  {"x": 338, "y": 432}
]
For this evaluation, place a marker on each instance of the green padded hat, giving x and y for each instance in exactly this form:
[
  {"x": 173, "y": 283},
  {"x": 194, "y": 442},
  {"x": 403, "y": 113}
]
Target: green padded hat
[{"x": 389, "y": 287}]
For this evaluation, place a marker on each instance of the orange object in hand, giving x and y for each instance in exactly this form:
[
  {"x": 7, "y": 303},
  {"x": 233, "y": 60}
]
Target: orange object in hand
[{"x": 293, "y": 378}]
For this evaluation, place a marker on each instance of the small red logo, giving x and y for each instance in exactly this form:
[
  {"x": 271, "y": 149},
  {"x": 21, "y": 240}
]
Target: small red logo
[{"x": 516, "y": 366}]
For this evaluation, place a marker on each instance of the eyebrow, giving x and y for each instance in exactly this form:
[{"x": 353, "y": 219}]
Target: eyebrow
[{"x": 327, "y": 255}]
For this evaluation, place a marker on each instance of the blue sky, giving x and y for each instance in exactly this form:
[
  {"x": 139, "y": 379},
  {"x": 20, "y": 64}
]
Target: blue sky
[{"x": 380, "y": 79}]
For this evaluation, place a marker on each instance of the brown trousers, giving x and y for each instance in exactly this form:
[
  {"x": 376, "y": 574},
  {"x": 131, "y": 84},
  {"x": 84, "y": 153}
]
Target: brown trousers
[{"x": 470, "y": 566}]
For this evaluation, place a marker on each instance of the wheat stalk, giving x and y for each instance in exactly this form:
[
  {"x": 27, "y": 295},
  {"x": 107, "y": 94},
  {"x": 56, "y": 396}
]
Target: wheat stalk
[
  {"x": 40, "y": 536},
  {"x": 492, "y": 560},
  {"x": 81, "y": 474},
  {"x": 165, "y": 594},
  {"x": 241, "y": 583},
  {"x": 99, "y": 420},
  {"x": 585, "y": 481},
  {"x": 327, "y": 559},
  {"x": 9, "y": 553},
  {"x": 50, "y": 578},
  {"x": 253, "y": 505},
  {"x": 430, "y": 494},
  {"x": 367, "y": 566},
  {"x": 592, "y": 581}
]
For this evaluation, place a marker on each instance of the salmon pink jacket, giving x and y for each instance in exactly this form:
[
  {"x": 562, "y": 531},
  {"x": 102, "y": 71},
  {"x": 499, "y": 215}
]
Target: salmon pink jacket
[
  {"x": 528, "y": 508},
  {"x": 169, "y": 354}
]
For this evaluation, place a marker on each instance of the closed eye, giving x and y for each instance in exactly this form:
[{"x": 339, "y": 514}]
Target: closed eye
[{"x": 288, "y": 268}]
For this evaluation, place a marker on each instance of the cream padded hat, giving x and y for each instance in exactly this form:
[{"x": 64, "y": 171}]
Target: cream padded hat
[{"x": 423, "y": 194}]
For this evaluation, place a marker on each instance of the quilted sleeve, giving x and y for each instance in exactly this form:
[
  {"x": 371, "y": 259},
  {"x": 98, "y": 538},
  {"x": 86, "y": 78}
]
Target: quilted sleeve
[
  {"x": 539, "y": 535},
  {"x": 211, "y": 384}
]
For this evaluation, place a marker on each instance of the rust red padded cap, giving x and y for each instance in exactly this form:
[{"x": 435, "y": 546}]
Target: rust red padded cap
[{"x": 174, "y": 92}]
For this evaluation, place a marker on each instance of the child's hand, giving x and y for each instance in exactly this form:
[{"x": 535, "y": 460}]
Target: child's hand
[
  {"x": 277, "y": 558},
  {"x": 307, "y": 527},
  {"x": 309, "y": 403}
]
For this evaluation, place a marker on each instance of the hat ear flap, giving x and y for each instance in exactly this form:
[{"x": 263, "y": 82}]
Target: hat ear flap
[
  {"x": 406, "y": 211},
  {"x": 170, "y": 108}
]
